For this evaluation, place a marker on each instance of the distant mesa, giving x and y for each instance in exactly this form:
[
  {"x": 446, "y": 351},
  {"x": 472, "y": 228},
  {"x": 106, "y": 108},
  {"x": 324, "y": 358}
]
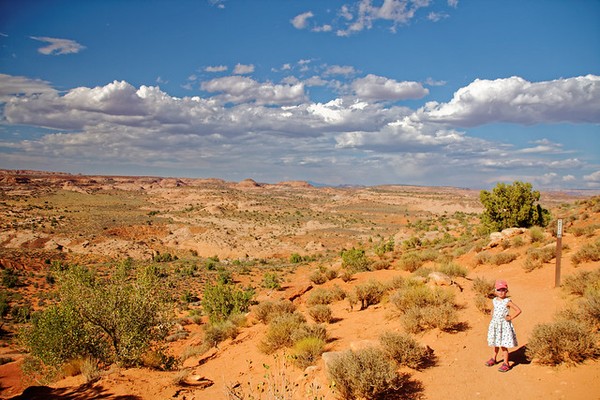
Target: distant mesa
[
  {"x": 248, "y": 183},
  {"x": 298, "y": 184}
]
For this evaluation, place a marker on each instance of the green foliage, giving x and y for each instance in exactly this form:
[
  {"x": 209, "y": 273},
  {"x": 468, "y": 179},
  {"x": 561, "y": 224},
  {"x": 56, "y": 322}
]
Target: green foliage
[
  {"x": 366, "y": 373},
  {"x": 307, "y": 351},
  {"x": 223, "y": 300},
  {"x": 296, "y": 258},
  {"x": 512, "y": 205},
  {"x": 10, "y": 278},
  {"x": 4, "y": 304},
  {"x": 355, "y": 260},
  {"x": 271, "y": 281},
  {"x": 453, "y": 270},
  {"x": 384, "y": 247},
  {"x": 116, "y": 319}
]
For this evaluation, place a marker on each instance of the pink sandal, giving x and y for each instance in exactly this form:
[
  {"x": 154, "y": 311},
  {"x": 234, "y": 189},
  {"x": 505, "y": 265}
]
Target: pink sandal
[
  {"x": 490, "y": 363},
  {"x": 504, "y": 367}
]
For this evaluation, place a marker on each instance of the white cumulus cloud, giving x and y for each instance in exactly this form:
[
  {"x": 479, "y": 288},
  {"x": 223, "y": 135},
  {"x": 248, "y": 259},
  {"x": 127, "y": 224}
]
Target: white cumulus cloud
[
  {"x": 300, "y": 21},
  {"x": 373, "y": 87}
]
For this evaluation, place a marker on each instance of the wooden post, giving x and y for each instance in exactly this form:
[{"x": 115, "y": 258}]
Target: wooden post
[{"x": 559, "y": 228}]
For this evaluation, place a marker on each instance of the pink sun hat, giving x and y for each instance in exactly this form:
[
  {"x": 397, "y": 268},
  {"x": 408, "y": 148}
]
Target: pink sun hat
[{"x": 501, "y": 284}]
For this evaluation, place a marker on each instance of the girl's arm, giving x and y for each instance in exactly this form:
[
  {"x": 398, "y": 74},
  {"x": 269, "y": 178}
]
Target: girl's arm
[{"x": 517, "y": 311}]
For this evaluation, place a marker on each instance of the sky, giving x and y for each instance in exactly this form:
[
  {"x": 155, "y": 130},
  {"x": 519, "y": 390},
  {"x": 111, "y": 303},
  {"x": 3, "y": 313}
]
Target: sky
[{"x": 464, "y": 93}]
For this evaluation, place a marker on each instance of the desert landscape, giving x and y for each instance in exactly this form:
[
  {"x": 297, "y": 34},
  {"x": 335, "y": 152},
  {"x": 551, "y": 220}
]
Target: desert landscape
[{"x": 297, "y": 245}]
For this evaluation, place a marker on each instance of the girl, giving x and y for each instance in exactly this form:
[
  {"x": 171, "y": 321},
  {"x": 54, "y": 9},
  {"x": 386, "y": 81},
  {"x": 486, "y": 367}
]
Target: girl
[{"x": 501, "y": 333}]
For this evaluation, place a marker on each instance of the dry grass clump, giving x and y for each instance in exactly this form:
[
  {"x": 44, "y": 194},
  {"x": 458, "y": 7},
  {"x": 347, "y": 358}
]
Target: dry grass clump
[
  {"x": 215, "y": 333},
  {"x": 405, "y": 350},
  {"x": 321, "y": 313},
  {"x": 268, "y": 310},
  {"x": 503, "y": 258},
  {"x": 415, "y": 259},
  {"x": 484, "y": 291},
  {"x": 367, "y": 374},
  {"x": 425, "y": 308},
  {"x": 537, "y": 257},
  {"x": 573, "y": 338},
  {"x": 325, "y": 296},
  {"x": 368, "y": 293},
  {"x": 536, "y": 234},
  {"x": 453, "y": 270},
  {"x": 318, "y": 277},
  {"x": 588, "y": 252},
  {"x": 587, "y": 231},
  {"x": 307, "y": 351},
  {"x": 563, "y": 341},
  {"x": 483, "y": 258}
]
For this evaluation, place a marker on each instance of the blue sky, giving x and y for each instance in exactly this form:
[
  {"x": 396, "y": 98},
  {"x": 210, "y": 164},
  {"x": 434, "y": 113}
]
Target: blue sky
[{"x": 427, "y": 92}]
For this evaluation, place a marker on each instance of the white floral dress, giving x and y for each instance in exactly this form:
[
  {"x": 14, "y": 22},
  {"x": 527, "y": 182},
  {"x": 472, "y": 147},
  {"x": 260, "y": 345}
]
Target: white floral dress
[{"x": 501, "y": 332}]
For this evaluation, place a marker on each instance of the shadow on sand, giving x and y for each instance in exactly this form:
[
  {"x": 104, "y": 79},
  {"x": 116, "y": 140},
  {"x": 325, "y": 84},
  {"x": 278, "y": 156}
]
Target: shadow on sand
[
  {"x": 82, "y": 392},
  {"x": 519, "y": 356}
]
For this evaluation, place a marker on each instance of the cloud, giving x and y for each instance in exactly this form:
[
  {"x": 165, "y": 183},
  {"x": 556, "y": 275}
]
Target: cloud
[
  {"x": 241, "y": 69},
  {"x": 363, "y": 14},
  {"x": 58, "y": 46},
  {"x": 594, "y": 177},
  {"x": 20, "y": 85},
  {"x": 300, "y": 21},
  {"x": 344, "y": 70},
  {"x": 373, "y": 87},
  {"x": 515, "y": 100},
  {"x": 216, "y": 68},
  {"x": 238, "y": 89}
]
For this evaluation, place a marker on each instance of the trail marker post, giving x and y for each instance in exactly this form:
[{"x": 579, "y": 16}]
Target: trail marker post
[{"x": 559, "y": 229}]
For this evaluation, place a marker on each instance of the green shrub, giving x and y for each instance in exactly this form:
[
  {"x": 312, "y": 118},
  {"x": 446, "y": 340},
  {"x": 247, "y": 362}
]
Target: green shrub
[
  {"x": 307, "y": 351},
  {"x": 325, "y": 296},
  {"x": 296, "y": 258},
  {"x": 366, "y": 373},
  {"x": 355, "y": 260},
  {"x": 512, "y": 205},
  {"x": 271, "y": 281},
  {"x": 405, "y": 350},
  {"x": 320, "y": 313},
  {"x": 267, "y": 310},
  {"x": 369, "y": 293},
  {"x": 10, "y": 278},
  {"x": 563, "y": 341},
  {"x": 222, "y": 300},
  {"x": 4, "y": 305}
]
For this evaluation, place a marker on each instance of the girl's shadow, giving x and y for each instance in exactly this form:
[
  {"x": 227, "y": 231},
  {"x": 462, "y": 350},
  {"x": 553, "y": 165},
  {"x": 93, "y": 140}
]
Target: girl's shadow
[{"x": 519, "y": 356}]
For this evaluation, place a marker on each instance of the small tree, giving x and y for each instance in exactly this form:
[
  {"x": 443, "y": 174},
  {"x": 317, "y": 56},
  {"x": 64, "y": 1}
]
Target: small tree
[{"x": 514, "y": 205}]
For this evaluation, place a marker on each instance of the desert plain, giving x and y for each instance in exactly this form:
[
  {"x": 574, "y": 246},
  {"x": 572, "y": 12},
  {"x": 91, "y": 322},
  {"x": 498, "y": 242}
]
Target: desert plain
[{"x": 289, "y": 230}]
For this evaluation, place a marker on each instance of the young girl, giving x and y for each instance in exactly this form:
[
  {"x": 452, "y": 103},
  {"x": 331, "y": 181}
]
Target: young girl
[{"x": 501, "y": 333}]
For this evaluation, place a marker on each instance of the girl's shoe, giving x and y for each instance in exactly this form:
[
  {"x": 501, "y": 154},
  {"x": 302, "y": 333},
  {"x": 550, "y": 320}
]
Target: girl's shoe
[
  {"x": 490, "y": 363},
  {"x": 504, "y": 367}
]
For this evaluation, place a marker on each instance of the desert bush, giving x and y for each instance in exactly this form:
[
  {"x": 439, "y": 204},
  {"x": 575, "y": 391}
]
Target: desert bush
[
  {"x": 4, "y": 305},
  {"x": 280, "y": 332},
  {"x": 410, "y": 262},
  {"x": 296, "y": 258},
  {"x": 10, "y": 278},
  {"x": 320, "y": 313},
  {"x": 330, "y": 274},
  {"x": 307, "y": 351},
  {"x": 483, "y": 287},
  {"x": 271, "y": 281},
  {"x": 366, "y": 373},
  {"x": 588, "y": 252},
  {"x": 579, "y": 282},
  {"x": 318, "y": 331},
  {"x": 503, "y": 258},
  {"x": 325, "y": 296},
  {"x": 453, "y": 270},
  {"x": 405, "y": 350},
  {"x": 420, "y": 295},
  {"x": 355, "y": 260},
  {"x": 380, "y": 264},
  {"x": 318, "y": 277},
  {"x": 443, "y": 317},
  {"x": 267, "y": 310},
  {"x": 369, "y": 293},
  {"x": 116, "y": 319},
  {"x": 517, "y": 241},
  {"x": 584, "y": 230},
  {"x": 483, "y": 304},
  {"x": 536, "y": 234},
  {"x": 563, "y": 341},
  {"x": 215, "y": 333},
  {"x": 222, "y": 300},
  {"x": 512, "y": 205},
  {"x": 484, "y": 257},
  {"x": 412, "y": 243}
]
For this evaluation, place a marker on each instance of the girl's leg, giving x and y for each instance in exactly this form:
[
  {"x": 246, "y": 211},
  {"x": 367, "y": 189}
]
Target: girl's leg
[
  {"x": 505, "y": 355},
  {"x": 496, "y": 352}
]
